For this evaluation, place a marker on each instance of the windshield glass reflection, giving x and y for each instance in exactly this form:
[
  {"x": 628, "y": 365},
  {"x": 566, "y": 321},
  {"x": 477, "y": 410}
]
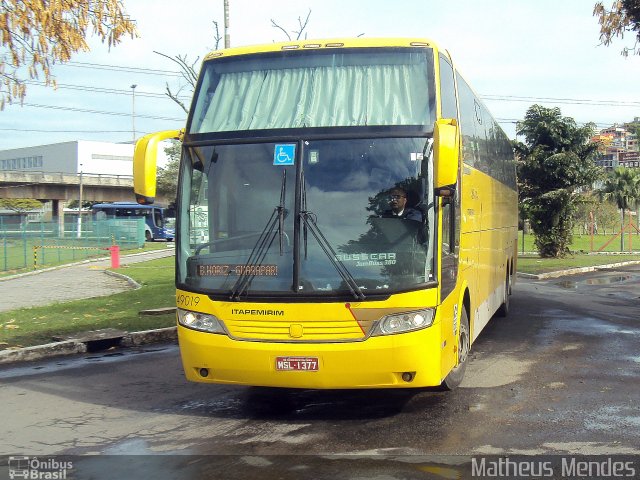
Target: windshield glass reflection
[{"x": 344, "y": 217}]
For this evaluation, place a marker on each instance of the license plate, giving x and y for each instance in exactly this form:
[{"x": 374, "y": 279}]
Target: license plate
[{"x": 304, "y": 364}]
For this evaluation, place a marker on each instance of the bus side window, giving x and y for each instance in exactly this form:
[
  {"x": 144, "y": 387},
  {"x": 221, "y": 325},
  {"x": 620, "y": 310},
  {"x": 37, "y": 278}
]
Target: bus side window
[
  {"x": 447, "y": 89},
  {"x": 450, "y": 242},
  {"x": 470, "y": 123}
]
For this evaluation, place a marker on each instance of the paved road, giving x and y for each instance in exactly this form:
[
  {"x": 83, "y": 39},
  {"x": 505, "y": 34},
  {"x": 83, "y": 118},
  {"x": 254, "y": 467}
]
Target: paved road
[
  {"x": 558, "y": 376},
  {"x": 84, "y": 280}
]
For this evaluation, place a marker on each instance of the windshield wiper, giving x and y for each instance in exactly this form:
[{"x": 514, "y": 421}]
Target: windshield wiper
[
  {"x": 262, "y": 246},
  {"x": 310, "y": 225}
]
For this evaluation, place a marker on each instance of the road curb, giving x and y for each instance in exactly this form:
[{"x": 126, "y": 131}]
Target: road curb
[
  {"x": 574, "y": 271},
  {"x": 135, "y": 285},
  {"x": 75, "y": 346}
]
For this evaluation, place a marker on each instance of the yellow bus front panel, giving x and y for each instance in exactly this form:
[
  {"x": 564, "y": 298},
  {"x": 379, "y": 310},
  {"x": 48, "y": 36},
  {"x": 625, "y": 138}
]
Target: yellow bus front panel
[{"x": 372, "y": 363}]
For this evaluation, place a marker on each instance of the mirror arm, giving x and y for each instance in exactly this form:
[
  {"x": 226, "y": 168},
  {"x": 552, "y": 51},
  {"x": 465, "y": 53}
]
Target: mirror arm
[{"x": 447, "y": 191}]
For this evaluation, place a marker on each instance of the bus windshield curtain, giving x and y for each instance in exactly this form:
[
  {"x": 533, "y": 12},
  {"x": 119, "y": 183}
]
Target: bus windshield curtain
[{"x": 316, "y": 97}]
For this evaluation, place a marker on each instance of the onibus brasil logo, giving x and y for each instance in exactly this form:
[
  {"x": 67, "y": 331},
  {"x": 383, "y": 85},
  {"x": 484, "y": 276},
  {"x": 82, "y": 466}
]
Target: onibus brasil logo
[{"x": 38, "y": 469}]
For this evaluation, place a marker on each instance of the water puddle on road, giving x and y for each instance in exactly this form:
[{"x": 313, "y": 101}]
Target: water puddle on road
[
  {"x": 612, "y": 418},
  {"x": 575, "y": 284}
]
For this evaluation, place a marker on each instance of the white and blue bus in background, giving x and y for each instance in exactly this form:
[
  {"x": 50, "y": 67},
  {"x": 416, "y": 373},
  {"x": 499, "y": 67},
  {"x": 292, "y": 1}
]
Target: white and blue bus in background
[{"x": 159, "y": 221}]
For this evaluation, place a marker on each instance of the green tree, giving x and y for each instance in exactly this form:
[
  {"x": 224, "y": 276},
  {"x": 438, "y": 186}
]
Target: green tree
[
  {"x": 623, "y": 17},
  {"x": 167, "y": 178},
  {"x": 555, "y": 164},
  {"x": 37, "y": 34},
  {"x": 633, "y": 127},
  {"x": 20, "y": 205},
  {"x": 622, "y": 186}
]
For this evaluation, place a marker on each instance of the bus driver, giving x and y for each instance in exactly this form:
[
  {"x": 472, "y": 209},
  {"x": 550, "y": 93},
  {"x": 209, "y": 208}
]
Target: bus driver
[{"x": 399, "y": 209}]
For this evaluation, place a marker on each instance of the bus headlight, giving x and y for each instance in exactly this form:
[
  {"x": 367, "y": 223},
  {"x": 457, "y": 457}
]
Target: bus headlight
[
  {"x": 404, "y": 322},
  {"x": 200, "y": 321}
]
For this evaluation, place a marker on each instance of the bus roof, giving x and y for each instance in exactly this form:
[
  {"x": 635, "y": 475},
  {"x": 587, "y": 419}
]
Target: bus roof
[{"x": 323, "y": 44}]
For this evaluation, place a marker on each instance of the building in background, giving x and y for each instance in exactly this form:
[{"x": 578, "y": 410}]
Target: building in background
[
  {"x": 97, "y": 158},
  {"x": 619, "y": 145},
  {"x": 89, "y": 158}
]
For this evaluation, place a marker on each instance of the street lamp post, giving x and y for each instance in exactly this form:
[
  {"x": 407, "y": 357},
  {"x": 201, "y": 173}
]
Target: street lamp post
[{"x": 133, "y": 111}]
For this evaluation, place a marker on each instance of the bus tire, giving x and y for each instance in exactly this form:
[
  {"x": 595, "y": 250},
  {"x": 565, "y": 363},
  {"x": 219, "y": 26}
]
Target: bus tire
[
  {"x": 148, "y": 237},
  {"x": 455, "y": 376},
  {"x": 503, "y": 310}
]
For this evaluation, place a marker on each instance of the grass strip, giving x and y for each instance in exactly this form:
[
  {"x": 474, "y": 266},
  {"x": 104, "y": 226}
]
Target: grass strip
[
  {"x": 38, "y": 325},
  {"x": 537, "y": 265}
]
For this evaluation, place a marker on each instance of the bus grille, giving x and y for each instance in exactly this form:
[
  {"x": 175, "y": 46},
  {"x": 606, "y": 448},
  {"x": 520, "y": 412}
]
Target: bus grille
[{"x": 295, "y": 331}]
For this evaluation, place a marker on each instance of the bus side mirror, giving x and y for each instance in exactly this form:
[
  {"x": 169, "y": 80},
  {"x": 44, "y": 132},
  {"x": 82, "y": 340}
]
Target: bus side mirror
[
  {"x": 145, "y": 158},
  {"x": 445, "y": 154}
]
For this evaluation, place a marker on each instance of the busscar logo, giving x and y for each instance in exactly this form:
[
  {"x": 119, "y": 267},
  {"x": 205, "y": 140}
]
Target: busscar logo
[{"x": 38, "y": 469}]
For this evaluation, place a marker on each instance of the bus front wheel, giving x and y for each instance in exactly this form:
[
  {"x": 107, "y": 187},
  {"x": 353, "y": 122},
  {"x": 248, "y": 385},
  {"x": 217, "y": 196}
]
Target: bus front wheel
[
  {"x": 148, "y": 237},
  {"x": 453, "y": 379}
]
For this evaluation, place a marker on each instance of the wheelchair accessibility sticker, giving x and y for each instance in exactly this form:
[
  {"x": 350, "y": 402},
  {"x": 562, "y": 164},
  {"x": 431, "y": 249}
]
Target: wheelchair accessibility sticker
[{"x": 284, "y": 154}]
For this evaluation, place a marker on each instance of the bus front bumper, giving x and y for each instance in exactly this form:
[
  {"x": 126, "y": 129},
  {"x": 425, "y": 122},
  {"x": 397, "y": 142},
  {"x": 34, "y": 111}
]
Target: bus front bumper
[{"x": 408, "y": 360}]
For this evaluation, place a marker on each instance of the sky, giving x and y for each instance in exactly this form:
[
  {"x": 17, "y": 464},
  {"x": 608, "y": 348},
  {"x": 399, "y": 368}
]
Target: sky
[{"x": 514, "y": 53}]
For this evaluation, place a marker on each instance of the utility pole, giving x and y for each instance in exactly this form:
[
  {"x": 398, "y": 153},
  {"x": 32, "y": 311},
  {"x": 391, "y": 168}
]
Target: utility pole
[
  {"x": 227, "y": 40},
  {"x": 133, "y": 112},
  {"x": 79, "y": 233}
]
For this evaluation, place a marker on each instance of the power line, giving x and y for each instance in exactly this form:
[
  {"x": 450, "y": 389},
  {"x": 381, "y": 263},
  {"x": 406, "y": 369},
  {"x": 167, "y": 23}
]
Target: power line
[
  {"x": 102, "y": 112},
  {"x": 504, "y": 98},
  {"x": 92, "y": 89},
  {"x": 62, "y": 131},
  {"x": 150, "y": 71},
  {"x": 569, "y": 101},
  {"x": 514, "y": 121},
  {"x": 120, "y": 68},
  {"x": 103, "y": 90}
]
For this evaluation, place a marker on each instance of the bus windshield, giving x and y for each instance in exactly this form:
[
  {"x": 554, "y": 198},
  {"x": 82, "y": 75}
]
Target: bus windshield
[
  {"x": 320, "y": 224},
  {"x": 307, "y": 89}
]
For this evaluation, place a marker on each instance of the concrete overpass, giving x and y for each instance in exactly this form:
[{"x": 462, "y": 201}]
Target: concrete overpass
[
  {"x": 62, "y": 188},
  {"x": 66, "y": 186}
]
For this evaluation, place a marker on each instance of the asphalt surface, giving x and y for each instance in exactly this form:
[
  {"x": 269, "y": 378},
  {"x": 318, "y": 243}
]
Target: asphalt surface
[{"x": 558, "y": 377}]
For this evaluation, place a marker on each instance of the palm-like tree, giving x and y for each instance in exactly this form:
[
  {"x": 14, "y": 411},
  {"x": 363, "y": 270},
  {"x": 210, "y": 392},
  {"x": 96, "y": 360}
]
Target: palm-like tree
[
  {"x": 623, "y": 187},
  {"x": 555, "y": 162}
]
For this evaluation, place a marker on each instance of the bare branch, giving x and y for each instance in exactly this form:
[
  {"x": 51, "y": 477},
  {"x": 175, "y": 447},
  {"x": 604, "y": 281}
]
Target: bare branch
[
  {"x": 302, "y": 25},
  {"x": 298, "y": 33},
  {"x": 188, "y": 71},
  {"x": 174, "y": 97},
  {"x": 274, "y": 24},
  {"x": 217, "y": 37}
]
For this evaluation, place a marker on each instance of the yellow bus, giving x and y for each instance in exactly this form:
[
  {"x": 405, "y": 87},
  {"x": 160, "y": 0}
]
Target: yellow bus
[{"x": 360, "y": 213}]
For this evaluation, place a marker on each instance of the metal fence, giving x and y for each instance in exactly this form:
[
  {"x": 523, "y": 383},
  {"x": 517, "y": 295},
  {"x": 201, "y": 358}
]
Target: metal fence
[{"x": 29, "y": 245}]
